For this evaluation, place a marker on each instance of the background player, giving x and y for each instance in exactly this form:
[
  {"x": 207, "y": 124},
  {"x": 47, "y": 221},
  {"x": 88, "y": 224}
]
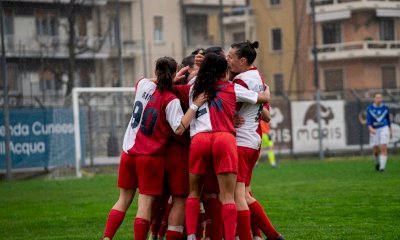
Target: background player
[{"x": 380, "y": 132}]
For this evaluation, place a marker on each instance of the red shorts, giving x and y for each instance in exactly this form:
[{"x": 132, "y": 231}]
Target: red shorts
[
  {"x": 150, "y": 174},
  {"x": 247, "y": 158},
  {"x": 213, "y": 149},
  {"x": 176, "y": 169},
  {"x": 127, "y": 177}
]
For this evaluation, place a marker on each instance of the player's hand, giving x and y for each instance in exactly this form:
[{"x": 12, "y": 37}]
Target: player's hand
[
  {"x": 267, "y": 92},
  {"x": 238, "y": 121},
  {"x": 198, "y": 59},
  {"x": 200, "y": 99},
  {"x": 180, "y": 74},
  {"x": 391, "y": 133},
  {"x": 371, "y": 130}
]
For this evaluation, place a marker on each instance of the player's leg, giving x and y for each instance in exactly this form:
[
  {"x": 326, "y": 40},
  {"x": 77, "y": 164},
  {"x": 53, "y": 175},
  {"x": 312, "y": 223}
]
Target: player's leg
[
  {"x": 243, "y": 227},
  {"x": 199, "y": 159},
  {"x": 192, "y": 209},
  {"x": 127, "y": 183},
  {"x": 164, "y": 222},
  {"x": 225, "y": 161},
  {"x": 176, "y": 218},
  {"x": 260, "y": 218},
  {"x": 384, "y": 137},
  {"x": 147, "y": 167},
  {"x": 143, "y": 215},
  {"x": 376, "y": 152},
  {"x": 213, "y": 208},
  {"x": 117, "y": 213},
  {"x": 158, "y": 212}
]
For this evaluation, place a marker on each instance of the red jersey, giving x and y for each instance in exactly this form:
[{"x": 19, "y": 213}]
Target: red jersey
[
  {"x": 156, "y": 115},
  {"x": 216, "y": 116}
]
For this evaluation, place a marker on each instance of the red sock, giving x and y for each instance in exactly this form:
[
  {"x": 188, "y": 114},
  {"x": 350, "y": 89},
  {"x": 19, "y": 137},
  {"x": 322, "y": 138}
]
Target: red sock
[
  {"x": 255, "y": 230},
  {"x": 114, "y": 220},
  {"x": 259, "y": 217},
  {"x": 157, "y": 214},
  {"x": 200, "y": 226},
  {"x": 164, "y": 222},
  {"x": 173, "y": 235},
  {"x": 192, "y": 211},
  {"x": 141, "y": 228},
  {"x": 213, "y": 218},
  {"x": 243, "y": 229},
  {"x": 229, "y": 214}
]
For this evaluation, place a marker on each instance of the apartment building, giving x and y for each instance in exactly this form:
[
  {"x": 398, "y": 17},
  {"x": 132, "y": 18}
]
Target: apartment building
[
  {"x": 277, "y": 34},
  {"x": 358, "y": 45},
  {"x": 37, "y": 43}
]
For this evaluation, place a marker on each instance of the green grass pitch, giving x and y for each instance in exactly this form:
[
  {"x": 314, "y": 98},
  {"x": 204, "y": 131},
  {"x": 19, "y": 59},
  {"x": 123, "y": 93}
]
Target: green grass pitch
[{"x": 337, "y": 198}]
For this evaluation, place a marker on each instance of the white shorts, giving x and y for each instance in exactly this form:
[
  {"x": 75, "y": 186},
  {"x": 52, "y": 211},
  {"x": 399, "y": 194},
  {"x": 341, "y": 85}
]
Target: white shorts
[{"x": 381, "y": 136}]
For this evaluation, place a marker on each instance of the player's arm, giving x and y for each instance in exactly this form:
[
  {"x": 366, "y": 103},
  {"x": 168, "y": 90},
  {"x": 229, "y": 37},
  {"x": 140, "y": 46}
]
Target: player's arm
[
  {"x": 245, "y": 95},
  {"x": 265, "y": 115},
  {"x": 389, "y": 123},
  {"x": 370, "y": 120},
  {"x": 178, "y": 121}
]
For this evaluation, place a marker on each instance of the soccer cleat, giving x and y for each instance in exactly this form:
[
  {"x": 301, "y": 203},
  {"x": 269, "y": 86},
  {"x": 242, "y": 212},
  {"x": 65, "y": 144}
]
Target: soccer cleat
[{"x": 279, "y": 237}]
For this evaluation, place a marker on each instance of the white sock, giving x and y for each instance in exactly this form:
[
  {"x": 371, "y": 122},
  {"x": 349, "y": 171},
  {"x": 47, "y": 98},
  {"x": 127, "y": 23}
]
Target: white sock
[
  {"x": 175, "y": 228},
  {"x": 382, "y": 162}
]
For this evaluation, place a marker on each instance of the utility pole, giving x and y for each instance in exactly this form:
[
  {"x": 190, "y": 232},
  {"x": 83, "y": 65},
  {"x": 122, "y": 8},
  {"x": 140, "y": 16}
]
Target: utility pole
[
  {"x": 6, "y": 108},
  {"x": 316, "y": 81},
  {"x": 143, "y": 39},
  {"x": 221, "y": 23}
]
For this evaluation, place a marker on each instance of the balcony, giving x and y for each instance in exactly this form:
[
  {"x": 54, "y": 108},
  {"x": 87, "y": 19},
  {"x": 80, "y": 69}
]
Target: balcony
[
  {"x": 239, "y": 15},
  {"x": 55, "y": 47},
  {"x": 215, "y": 2},
  {"x": 327, "y": 10},
  {"x": 86, "y": 2},
  {"x": 352, "y": 50}
]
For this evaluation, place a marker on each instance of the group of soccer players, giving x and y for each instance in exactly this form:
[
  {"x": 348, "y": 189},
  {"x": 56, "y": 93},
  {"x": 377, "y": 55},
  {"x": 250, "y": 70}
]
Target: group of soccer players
[{"x": 182, "y": 148}]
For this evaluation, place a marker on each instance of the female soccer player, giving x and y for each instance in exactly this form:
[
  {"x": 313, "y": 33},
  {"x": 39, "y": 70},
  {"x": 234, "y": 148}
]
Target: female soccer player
[
  {"x": 157, "y": 114},
  {"x": 248, "y": 136},
  {"x": 213, "y": 144}
]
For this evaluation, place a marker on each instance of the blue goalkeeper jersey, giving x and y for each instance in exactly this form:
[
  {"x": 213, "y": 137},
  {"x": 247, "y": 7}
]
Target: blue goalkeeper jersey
[{"x": 378, "y": 117}]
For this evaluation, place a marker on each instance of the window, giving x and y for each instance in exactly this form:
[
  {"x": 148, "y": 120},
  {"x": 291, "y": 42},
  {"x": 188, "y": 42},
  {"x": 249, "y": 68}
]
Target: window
[
  {"x": 158, "y": 29},
  {"x": 46, "y": 23},
  {"x": 386, "y": 29},
  {"x": 331, "y": 33},
  {"x": 278, "y": 83},
  {"x": 276, "y": 39},
  {"x": 333, "y": 80},
  {"x": 389, "y": 77},
  {"x": 197, "y": 30},
  {"x": 274, "y": 2},
  {"x": 239, "y": 37}
]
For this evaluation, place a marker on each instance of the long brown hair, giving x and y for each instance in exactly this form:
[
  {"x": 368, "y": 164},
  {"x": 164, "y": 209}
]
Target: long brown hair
[
  {"x": 212, "y": 68},
  {"x": 165, "y": 70}
]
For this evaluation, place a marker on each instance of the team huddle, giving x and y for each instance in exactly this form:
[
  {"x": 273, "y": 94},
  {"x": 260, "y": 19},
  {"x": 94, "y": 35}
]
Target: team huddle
[{"x": 188, "y": 155}]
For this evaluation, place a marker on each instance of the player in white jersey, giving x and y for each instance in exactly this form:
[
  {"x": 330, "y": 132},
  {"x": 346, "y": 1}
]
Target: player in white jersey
[{"x": 248, "y": 137}]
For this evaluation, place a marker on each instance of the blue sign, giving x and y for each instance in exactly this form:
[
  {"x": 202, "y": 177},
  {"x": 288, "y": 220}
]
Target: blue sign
[{"x": 39, "y": 138}]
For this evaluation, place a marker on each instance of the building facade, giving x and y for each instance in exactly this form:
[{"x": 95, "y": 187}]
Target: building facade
[{"x": 357, "y": 41}]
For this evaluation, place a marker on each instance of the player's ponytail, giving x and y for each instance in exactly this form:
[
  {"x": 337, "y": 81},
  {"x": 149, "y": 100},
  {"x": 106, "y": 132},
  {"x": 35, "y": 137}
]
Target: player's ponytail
[
  {"x": 165, "y": 71},
  {"x": 246, "y": 50},
  {"x": 213, "y": 68}
]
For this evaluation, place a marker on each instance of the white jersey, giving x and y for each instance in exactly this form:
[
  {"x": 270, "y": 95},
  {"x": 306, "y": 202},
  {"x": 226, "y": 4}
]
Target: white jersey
[
  {"x": 249, "y": 134},
  {"x": 218, "y": 115},
  {"x": 155, "y": 117}
]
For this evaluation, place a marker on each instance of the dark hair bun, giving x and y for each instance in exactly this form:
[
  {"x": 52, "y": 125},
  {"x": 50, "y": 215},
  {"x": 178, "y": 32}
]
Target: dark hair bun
[{"x": 254, "y": 44}]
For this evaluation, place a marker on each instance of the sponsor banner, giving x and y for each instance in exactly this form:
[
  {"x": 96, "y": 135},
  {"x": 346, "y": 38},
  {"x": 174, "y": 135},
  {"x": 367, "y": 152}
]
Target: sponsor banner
[
  {"x": 357, "y": 131},
  {"x": 39, "y": 138},
  {"x": 305, "y": 126},
  {"x": 280, "y": 124}
]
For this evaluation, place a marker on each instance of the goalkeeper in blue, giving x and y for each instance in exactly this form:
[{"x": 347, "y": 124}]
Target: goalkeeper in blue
[{"x": 378, "y": 122}]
